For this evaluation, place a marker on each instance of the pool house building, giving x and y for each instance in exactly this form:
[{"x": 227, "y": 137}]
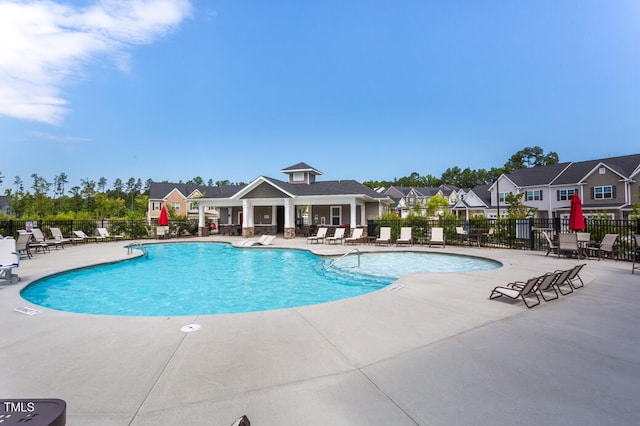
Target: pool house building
[{"x": 291, "y": 207}]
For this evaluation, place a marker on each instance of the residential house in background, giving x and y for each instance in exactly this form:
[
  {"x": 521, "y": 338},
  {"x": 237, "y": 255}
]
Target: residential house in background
[
  {"x": 268, "y": 205},
  {"x": 473, "y": 202},
  {"x": 410, "y": 199},
  {"x": 182, "y": 198},
  {"x": 606, "y": 186}
]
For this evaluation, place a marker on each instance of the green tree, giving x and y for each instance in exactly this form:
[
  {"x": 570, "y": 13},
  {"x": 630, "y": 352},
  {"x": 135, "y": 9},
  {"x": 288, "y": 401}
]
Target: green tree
[
  {"x": 437, "y": 205},
  {"x": 516, "y": 208},
  {"x": 530, "y": 157}
]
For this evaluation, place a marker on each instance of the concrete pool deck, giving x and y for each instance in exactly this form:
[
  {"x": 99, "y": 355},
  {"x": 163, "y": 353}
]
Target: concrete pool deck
[{"x": 431, "y": 349}]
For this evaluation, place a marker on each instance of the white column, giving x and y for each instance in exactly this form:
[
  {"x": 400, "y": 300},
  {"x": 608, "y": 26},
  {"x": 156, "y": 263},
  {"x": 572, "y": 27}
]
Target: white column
[
  {"x": 352, "y": 221},
  {"x": 274, "y": 215},
  {"x": 247, "y": 214},
  {"x": 200, "y": 216},
  {"x": 289, "y": 213},
  {"x": 363, "y": 215}
]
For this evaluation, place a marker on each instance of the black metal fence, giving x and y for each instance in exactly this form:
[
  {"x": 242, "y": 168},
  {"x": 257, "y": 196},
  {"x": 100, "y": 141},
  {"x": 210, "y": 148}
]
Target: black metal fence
[
  {"x": 524, "y": 234},
  {"x": 131, "y": 229}
]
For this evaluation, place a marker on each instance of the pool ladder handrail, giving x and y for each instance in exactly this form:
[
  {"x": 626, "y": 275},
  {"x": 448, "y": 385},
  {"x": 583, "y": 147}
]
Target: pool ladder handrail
[
  {"x": 334, "y": 261},
  {"x": 138, "y": 246}
]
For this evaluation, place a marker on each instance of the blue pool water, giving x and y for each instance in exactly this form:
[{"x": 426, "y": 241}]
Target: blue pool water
[{"x": 206, "y": 278}]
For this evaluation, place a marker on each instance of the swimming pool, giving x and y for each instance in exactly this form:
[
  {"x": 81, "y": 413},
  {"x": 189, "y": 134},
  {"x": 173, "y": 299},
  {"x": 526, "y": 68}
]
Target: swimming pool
[{"x": 210, "y": 278}]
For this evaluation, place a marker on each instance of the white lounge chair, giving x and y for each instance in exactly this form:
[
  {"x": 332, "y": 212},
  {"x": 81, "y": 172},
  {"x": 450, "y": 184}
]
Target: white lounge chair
[
  {"x": 356, "y": 236},
  {"x": 385, "y": 236},
  {"x": 102, "y": 232},
  {"x": 437, "y": 237},
  {"x": 337, "y": 236},
  {"x": 264, "y": 240},
  {"x": 9, "y": 259},
  {"x": 85, "y": 237},
  {"x": 405, "y": 236},
  {"x": 39, "y": 238},
  {"x": 320, "y": 236},
  {"x": 57, "y": 235}
]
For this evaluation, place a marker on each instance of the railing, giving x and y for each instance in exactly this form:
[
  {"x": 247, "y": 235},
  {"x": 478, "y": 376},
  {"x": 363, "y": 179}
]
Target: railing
[
  {"x": 333, "y": 262},
  {"x": 522, "y": 234},
  {"x": 139, "y": 246}
]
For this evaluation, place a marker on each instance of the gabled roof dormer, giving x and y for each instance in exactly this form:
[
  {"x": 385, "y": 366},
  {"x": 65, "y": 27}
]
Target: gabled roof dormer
[{"x": 301, "y": 173}]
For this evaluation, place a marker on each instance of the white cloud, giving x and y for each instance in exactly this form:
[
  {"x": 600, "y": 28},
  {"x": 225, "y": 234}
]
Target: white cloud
[{"x": 44, "y": 46}]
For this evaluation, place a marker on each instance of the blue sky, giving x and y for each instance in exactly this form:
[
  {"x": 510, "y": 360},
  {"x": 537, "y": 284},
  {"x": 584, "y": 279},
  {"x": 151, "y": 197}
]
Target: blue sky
[{"x": 366, "y": 90}]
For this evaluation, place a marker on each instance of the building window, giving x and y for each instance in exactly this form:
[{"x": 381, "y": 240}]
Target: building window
[
  {"x": 176, "y": 206},
  {"x": 193, "y": 206},
  {"x": 156, "y": 205},
  {"x": 298, "y": 177},
  {"x": 603, "y": 192},
  {"x": 535, "y": 195},
  {"x": 502, "y": 197},
  {"x": 336, "y": 215},
  {"x": 566, "y": 194}
]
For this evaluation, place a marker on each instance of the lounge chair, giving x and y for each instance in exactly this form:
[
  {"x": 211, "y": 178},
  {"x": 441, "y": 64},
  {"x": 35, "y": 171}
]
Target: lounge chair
[
  {"x": 57, "y": 235},
  {"x": 242, "y": 421},
  {"x": 22, "y": 244},
  {"x": 548, "y": 283},
  {"x": 337, "y": 236},
  {"x": 9, "y": 259},
  {"x": 385, "y": 236},
  {"x": 162, "y": 232},
  {"x": 264, "y": 240},
  {"x": 102, "y": 232},
  {"x": 462, "y": 234},
  {"x": 85, "y": 237},
  {"x": 320, "y": 236},
  {"x": 437, "y": 237},
  {"x": 405, "y": 236},
  {"x": 568, "y": 243},
  {"x": 356, "y": 236},
  {"x": 563, "y": 281},
  {"x": 39, "y": 238},
  {"x": 607, "y": 245},
  {"x": 550, "y": 245},
  {"x": 574, "y": 276},
  {"x": 518, "y": 289}
]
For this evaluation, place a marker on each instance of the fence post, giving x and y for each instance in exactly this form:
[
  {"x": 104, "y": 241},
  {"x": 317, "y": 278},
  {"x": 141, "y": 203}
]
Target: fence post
[{"x": 531, "y": 236}]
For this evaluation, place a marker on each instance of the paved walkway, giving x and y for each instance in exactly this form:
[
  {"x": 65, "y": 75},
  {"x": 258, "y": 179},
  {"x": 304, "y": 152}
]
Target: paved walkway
[{"x": 429, "y": 350}]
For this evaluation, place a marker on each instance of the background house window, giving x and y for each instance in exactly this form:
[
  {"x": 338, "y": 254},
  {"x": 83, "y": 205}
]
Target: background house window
[
  {"x": 535, "y": 195},
  {"x": 502, "y": 197},
  {"x": 336, "y": 215},
  {"x": 193, "y": 206},
  {"x": 602, "y": 192},
  {"x": 156, "y": 205},
  {"x": 176, "y": 206},
  {"x": 566, "y": 194}
]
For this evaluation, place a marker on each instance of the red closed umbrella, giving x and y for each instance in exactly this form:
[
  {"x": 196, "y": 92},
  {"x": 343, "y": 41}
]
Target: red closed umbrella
[
  {"x": 576, "y": 218},
  {"x": 164, "y": 218}
]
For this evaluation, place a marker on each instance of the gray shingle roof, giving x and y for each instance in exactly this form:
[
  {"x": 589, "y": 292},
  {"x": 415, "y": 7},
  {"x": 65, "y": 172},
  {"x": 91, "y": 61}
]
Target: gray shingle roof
[
  {"x": 159, "y": 190},
  {"x": 331, "y": 187}
]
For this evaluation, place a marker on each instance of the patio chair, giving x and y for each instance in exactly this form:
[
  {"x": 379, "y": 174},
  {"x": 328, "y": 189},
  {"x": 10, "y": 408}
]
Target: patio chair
[
  {"x": 568, "y": 243},
  {"x": 462, "y": 234},
  {"x": 385, "y": 236},
  {"x": 337, "y": 236},
  {"x": 437, "y": 237},
  {"x": 356, "y": 236},
  {"x": 242, "y": 421},
  {"x": 405, "y": 236},
  {"x": 563, "y": 281},
  {"x": 320, "y": 236},
  {"x": 606, "y": 246},
  {"x": 489, "y": 236},
  {"x": 547, "y": 284},
  {"x": 162, "y": 232},
  {"x": 39, "y": 238},
  {"x": 85, "y": 237},
  {"x": 22, "y": 244},
  {"x": 550, "y": 245},
  {"x": 518, "y": 289},
  {"x": 57, "y": 235},
  {"x": 264, "y": 240},
  {"x": 9, "y": 259},
  {"x": 102, "y": 232}
]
